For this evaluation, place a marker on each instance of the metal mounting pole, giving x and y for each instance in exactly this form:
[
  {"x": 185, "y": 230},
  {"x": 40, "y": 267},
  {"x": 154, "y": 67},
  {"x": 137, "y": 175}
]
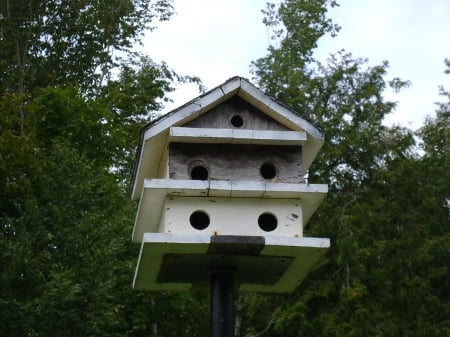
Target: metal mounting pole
[{"x": 222, "y": 303}]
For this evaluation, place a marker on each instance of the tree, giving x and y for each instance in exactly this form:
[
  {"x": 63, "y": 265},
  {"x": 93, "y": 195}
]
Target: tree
[
  {"x": 67, "y": 138},
  {"x": 78, "y": 44},
  {"x": 62, "y": 218},
  {"x": 70, "y": 42},
  {"x": 386, "y": 217},
  {"x": 137, "y": 95}
]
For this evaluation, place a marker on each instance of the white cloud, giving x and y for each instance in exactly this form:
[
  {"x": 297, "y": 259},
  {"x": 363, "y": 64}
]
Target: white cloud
[{"x": 217, "y": 39}]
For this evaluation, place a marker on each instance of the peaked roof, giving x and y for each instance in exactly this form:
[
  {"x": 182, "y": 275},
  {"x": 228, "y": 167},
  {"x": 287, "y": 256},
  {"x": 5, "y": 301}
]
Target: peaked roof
[{"x": 155, "y": 135}]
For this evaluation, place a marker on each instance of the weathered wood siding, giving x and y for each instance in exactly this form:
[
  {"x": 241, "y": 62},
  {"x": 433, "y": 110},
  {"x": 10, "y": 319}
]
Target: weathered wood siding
[
  {"x": 235, "y": 161},
  {"x": 220, "y": 117}
]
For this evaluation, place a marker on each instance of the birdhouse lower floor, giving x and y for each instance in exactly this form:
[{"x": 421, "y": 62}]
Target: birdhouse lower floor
[
  {"x": 232, "y": 216},
  {"x": 187, "y": 228},
  {"x": 226, "y": 208}
]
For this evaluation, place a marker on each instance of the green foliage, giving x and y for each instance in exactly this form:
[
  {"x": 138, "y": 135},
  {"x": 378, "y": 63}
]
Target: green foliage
[
  {"x": 63, "y": 217},
  {"x": 135, "y": 96},
  {"x": 70, "y": 112},
  {"x": 70, "y": 42},
  {"x": 387, "y": 212},
  {"x": 66, "y": 259},
  {"x": 62, "y": 116}
]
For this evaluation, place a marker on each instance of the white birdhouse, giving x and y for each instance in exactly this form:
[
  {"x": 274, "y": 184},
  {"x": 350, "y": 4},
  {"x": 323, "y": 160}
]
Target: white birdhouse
[{"x": 220, "y": 185}]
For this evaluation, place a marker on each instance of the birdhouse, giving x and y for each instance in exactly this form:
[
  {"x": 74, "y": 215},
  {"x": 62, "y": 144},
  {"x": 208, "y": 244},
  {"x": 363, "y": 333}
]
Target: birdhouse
[{"x": 220, "y": 183}]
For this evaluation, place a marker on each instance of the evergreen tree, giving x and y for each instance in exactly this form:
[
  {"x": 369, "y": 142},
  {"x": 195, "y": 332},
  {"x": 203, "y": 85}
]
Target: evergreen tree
[{"x": 387, "y": 210}]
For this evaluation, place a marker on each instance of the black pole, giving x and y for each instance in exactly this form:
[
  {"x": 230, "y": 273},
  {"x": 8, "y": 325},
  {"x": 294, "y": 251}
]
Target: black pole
[{"x": 222, "y": 303}]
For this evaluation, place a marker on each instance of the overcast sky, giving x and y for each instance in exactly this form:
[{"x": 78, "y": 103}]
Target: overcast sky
[{"x": 217, "y": 39}]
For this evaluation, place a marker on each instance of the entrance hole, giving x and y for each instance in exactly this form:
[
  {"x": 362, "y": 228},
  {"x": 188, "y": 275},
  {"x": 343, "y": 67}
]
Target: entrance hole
[
  {"x": 268, "y": 171},
  {"x": 199, "y": 220},
  {"x": 267, "y": 222},
  {"x": 199, "y": 172},
  {"x": 237, "y": 121}
]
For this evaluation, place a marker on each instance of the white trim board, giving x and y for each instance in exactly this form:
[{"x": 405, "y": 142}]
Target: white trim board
[{"x": 226, "y": 136}]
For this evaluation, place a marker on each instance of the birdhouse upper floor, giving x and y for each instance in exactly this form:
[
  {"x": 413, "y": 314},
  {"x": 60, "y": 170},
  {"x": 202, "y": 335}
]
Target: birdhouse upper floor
[
  {"x": 232, "y": 133},
  {"x": 235, "y": 141},
  {"x": 235, "y": 162}
]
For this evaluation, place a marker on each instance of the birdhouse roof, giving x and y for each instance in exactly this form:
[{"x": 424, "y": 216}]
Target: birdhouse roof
[{"x": 157, "y": 134}]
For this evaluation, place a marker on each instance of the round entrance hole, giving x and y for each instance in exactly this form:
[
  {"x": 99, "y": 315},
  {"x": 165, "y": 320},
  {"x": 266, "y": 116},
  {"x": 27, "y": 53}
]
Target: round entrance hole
[
  {"x": 199, "y": 220},
  {"x": 199, "y": 172},
  {"x": 267, "y": 222},
  {"x": 237, "y": 121},
  {"x": 268, "y": 171}
]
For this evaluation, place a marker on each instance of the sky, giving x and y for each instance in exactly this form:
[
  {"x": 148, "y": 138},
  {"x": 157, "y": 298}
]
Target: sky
[{"x": 218, "y": 39}]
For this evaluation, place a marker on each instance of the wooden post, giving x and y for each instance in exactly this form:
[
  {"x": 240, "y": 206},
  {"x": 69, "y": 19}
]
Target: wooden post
[{"x": 222, "y": 303}]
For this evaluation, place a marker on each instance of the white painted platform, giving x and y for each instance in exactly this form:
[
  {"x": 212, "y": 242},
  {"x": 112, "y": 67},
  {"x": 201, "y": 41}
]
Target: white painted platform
[{"x": 175, "y": 261}]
